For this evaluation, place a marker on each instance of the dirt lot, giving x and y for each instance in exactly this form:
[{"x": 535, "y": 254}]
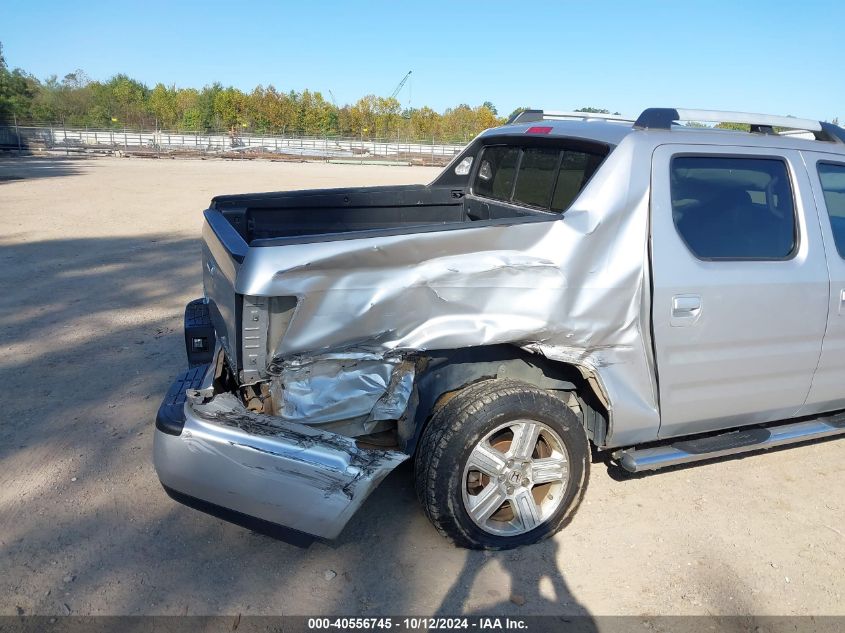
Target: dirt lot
[{"x": 99, "y": 257}]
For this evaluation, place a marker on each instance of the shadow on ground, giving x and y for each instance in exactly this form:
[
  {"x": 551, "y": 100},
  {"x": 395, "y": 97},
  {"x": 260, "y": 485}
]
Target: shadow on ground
[
  {"x": 14, "y": 167},
  {"x": 91, "y": 332}
]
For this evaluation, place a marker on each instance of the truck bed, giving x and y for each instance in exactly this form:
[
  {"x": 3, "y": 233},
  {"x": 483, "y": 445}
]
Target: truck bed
[
  {"x": 329, "y": 211},
  {"x": 268, "y": 216}
]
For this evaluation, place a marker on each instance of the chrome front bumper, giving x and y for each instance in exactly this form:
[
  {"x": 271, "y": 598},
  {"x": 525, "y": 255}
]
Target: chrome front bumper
[{"x": 288, "y": 474}]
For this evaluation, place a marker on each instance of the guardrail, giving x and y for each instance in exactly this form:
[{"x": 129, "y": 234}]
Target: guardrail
[{"x": 33, "y": 139}]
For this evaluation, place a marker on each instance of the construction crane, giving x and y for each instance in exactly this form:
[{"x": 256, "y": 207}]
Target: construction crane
[
  {"x": 331, "y": 94},
  {"x": 401, "y": 83}
]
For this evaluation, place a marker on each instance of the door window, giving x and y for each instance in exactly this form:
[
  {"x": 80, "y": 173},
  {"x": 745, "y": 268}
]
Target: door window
[
  {"x": 733, "y": 207},
  {"x": 832, "y": 177}
]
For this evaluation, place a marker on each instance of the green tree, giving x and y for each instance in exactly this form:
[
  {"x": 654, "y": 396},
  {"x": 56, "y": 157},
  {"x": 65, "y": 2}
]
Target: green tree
[
  {"x": 164, "y": 105},
  {"x": 388, "y": 115},
  {"x": 485, "y": 117},
  {"x": 230, "y": 108},
  {"x": 205, "y": 112},
  {"x": 17, "y": 90},
  {"x": 424, "y": 123},
  {"x": 362, "y": 116},
  {"x": 128, "y": 99},
  {"x": 459, "y": 123},
  {"x": 313, "y": 113},
  {"x": 742, "y": 127},
  {"x": 123, "y": 101},
  {"x": 193, "y": 120},
  {"x": 189, "y": 116},
  {"x": 103, "y": 111},
  {"x": 517, "y": 111}
]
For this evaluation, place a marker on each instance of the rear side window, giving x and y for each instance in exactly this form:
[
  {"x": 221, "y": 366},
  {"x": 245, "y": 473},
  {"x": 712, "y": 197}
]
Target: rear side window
[
  {"x": 732, "y": 207},
  {"x": 575, "y": 170},
  {"x": 541, "y": 177},
  {"x": 496, "y": 173},
  {"x": 536, "y": 180},
  {"x": 833, "y": 185}
]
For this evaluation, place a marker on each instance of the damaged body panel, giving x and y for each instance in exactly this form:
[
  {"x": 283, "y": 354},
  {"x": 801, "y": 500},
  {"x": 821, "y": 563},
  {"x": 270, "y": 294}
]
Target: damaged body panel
[
  {"x": 572, "y": 288},
  {"x": 285, "y": 473},
  {"x": 337, "y": 312},
  {"x": 542, "y": 294},
  {"x": 356, "y": 389}
]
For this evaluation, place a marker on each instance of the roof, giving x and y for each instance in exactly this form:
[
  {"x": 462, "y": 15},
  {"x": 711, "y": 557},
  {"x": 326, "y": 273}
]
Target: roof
[
  {"x": 610, "y": 132},
  {"x": 613, "y": 131}
]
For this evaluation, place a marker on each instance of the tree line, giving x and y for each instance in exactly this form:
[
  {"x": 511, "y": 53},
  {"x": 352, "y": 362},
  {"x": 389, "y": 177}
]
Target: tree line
[{"x": 121, "y": 101}]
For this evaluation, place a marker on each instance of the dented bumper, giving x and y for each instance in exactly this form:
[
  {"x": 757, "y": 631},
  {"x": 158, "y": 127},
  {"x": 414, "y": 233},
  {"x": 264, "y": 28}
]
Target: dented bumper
[{"x": 289, "y": 473}]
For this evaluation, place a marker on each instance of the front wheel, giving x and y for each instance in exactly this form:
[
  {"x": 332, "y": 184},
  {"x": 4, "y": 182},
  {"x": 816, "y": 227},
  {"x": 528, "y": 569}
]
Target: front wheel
[{"x": 502, "y": 464}]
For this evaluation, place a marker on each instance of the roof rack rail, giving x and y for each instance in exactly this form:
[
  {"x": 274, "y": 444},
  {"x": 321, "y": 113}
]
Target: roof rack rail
[
  {"x": 530, "y": 116},
  {"x": 665, "y": 118}
]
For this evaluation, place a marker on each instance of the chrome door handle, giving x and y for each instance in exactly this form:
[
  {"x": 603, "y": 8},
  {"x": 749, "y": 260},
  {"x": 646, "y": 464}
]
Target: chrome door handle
[
  {"x": 842, "y": 302},
  {"x": 685, "y": 310}
]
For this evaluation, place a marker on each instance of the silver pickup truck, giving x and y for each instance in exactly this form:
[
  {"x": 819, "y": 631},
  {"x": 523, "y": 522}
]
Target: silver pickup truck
[{"x": 657, "y": 292}]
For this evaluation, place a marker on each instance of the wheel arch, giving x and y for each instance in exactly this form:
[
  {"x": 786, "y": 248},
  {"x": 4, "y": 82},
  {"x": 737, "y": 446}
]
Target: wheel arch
[{"x": 443, "y": 373}]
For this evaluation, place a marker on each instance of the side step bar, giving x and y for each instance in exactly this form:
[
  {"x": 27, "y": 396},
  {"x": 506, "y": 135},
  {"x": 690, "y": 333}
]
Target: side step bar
[{"x": 636, "y": 460}]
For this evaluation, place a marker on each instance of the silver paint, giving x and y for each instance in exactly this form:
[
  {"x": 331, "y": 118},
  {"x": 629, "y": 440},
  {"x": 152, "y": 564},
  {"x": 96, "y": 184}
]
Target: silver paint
[
  {"x": 334, "y": 387},
  {"x": 286, "y": 473},
  {"x": 576, "y": 289},
  {"x": 745, "y": 351},
  {"x": 573, "y": 289},
  {"x": 826, "y": 392}
]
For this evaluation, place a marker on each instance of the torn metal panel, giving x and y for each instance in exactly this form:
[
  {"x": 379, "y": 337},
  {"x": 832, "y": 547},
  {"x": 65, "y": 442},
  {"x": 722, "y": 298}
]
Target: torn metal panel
[
  {"x": 393, "y": 403},
  {"x": 290, "y": 474},
  {"x": 347, "y": 386},
  {"x": 573, "y": 289}
]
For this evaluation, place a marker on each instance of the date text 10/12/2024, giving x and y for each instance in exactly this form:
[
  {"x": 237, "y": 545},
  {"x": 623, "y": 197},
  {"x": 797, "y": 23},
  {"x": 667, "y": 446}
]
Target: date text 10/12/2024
[{"x": 417, "y": 624}]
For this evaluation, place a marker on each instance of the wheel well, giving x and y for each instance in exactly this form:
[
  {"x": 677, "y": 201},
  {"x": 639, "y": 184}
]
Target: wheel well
[{"x": 442, "y": 373}]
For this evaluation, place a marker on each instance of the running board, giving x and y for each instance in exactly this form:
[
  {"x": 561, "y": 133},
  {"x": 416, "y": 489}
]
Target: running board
[{"x": 636, "y": 460}]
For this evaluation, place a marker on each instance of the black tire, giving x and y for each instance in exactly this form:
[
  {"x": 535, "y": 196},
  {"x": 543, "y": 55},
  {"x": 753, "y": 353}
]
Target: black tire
[{"x": 458, "y": 426}]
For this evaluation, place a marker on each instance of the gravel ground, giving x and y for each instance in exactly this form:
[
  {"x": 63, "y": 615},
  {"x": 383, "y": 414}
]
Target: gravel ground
[{"x": 99, "y": 257}]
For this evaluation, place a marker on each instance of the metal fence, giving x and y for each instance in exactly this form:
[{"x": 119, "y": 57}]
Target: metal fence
[{"x": 59, "y": 139}]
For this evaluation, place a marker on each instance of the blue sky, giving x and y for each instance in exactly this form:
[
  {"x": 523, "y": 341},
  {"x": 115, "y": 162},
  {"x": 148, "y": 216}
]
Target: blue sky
[{"x": 775, "y": 57}]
